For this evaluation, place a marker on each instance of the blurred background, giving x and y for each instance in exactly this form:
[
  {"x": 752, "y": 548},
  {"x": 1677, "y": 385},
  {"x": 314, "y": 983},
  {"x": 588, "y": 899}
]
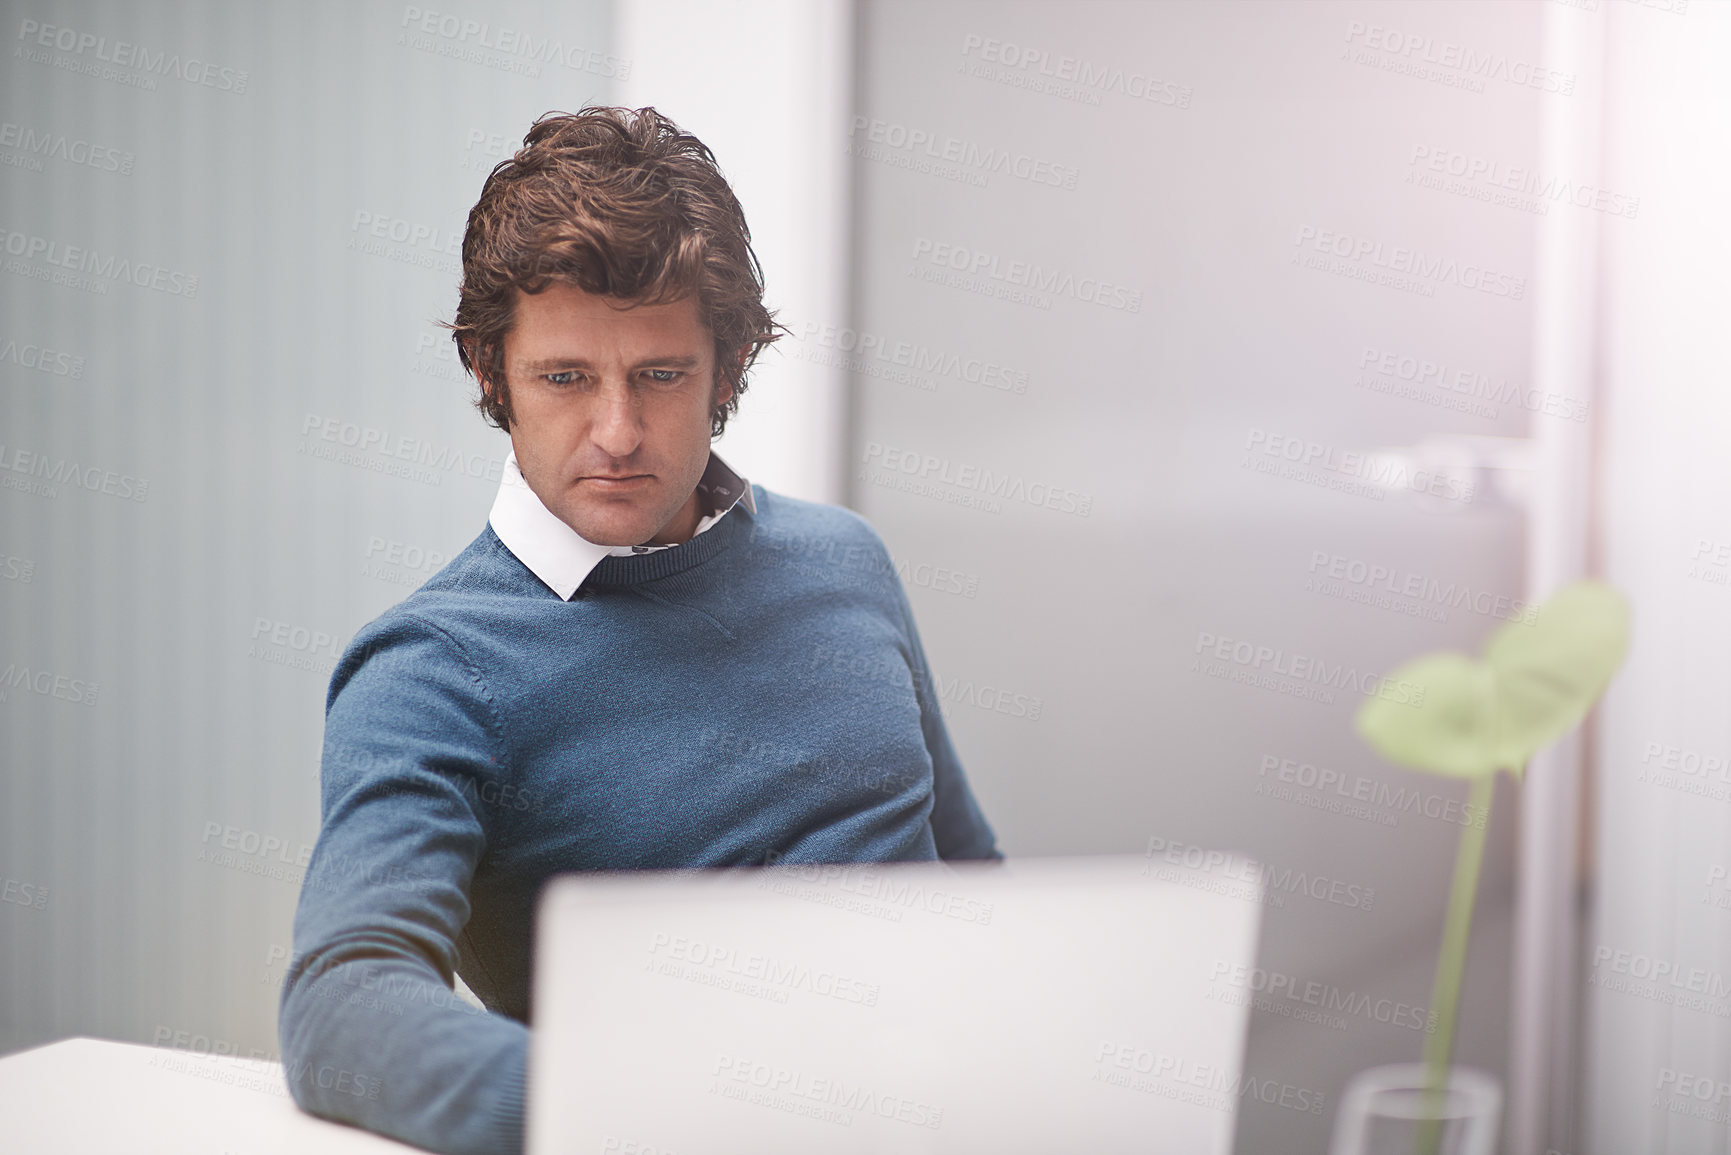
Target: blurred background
[{"x": 1199, "y": 363}]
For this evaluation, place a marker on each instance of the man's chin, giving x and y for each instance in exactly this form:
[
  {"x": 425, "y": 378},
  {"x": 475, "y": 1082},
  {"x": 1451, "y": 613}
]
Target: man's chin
[
  {"x": 613, "y": 531},
  {"x": 617, "y": 537}
]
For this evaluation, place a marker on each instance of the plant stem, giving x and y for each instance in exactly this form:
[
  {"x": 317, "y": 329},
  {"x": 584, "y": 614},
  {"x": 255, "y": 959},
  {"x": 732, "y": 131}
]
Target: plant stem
[{"x": 1451, "y": 960}]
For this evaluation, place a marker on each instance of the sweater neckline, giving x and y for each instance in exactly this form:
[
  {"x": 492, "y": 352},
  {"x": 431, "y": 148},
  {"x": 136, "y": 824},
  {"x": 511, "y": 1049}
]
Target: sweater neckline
[{"x": 627, "y": 570}]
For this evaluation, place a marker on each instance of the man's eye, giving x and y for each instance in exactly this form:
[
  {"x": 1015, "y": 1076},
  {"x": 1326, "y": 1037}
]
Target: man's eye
[
  {"x": 665, "y": 376},
  {"x": 564, "y": 377}
]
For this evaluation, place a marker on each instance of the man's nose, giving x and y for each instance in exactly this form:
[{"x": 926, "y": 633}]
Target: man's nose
[{"x": 617, "y": 424}]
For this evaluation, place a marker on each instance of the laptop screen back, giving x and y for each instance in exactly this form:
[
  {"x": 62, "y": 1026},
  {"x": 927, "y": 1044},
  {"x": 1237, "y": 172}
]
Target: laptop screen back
[{"x": 1032, "y": 1006}]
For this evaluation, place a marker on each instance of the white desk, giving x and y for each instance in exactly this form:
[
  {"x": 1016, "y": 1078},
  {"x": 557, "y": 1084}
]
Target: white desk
[{"x": 98, "y": 1097}]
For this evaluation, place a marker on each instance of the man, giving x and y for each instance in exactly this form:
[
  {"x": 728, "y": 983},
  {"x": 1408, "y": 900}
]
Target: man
[{"x": 642, "y": 662}]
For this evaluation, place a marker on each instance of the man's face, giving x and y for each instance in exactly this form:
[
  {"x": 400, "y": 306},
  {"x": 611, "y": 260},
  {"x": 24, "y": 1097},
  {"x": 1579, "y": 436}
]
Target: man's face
[{"x": 610, "y": 412}]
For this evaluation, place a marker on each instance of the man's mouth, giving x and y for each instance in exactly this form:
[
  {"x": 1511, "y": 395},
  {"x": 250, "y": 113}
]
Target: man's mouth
[{"x": 609, "y": 482}]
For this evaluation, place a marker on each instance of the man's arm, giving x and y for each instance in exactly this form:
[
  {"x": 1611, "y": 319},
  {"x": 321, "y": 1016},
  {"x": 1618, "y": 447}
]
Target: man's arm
[
  {"x": 959, "y": 827},
  {"x": 371, "y": 1033}
]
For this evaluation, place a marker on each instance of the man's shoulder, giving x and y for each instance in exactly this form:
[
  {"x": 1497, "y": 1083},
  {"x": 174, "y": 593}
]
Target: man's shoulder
[
  {"x": 475, "y": 584},
  {"x": 816, "y": 533},
  {"x": 785, "y": 517},
  {"x": 483, "y": 566}
]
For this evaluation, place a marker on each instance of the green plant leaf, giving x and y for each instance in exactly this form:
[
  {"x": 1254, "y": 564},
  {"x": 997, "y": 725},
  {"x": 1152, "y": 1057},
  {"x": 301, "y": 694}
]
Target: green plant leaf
[
  {"x": 1464, "y": 718},
  {"x": 1467, "y": 718},
  {"x": 1549, "y": 673},
  {"x": 1448, "y": 725}
]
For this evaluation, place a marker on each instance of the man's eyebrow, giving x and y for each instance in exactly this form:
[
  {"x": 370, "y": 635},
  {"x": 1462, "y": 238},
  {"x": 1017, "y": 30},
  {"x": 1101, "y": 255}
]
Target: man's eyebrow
[{"x": 672, "y": 361}]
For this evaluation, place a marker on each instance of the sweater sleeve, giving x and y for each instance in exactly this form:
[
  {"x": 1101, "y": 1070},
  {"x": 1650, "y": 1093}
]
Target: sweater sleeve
[
  {"x": 959, "y": 826},
  {"x": 370, "y": 1031}
]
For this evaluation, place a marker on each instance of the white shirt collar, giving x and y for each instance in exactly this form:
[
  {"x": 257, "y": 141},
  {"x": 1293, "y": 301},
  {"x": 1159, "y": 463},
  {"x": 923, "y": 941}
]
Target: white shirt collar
[{"x": 558, "y": 555}]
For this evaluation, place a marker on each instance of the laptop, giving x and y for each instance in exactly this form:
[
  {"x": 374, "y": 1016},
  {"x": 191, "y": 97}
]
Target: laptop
[{"x": 1034, "y": 1005}]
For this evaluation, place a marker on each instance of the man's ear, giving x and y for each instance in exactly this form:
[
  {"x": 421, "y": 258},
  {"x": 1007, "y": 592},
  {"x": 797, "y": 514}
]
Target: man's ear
[
  {"x": 481, "y": 375},
  {"x": 724, "y": 389}
]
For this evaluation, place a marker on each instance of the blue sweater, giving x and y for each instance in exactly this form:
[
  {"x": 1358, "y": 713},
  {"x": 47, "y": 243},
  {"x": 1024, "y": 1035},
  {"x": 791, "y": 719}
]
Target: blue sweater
[{"x": 756, "y": 693}]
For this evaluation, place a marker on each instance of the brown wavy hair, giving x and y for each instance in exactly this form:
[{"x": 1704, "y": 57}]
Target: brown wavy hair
[{"x": 618, "y": 202}]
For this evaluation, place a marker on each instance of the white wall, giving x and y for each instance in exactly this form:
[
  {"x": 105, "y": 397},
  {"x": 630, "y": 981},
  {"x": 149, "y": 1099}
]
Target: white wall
[
  {"x": 204, "y": 728},
  {"x": 1661, "y": 838},
  {"x": 162, "y": 823},
  {"x": 1211, "y": 147},
  {"x": 1544, "y": 1031},
  {"x": 768, "y": 85},
  {"x": 207, "y": 610}
]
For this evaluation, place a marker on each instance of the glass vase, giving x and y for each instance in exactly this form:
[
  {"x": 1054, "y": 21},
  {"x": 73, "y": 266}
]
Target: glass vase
[{"x": 1389, "y": 1110}]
